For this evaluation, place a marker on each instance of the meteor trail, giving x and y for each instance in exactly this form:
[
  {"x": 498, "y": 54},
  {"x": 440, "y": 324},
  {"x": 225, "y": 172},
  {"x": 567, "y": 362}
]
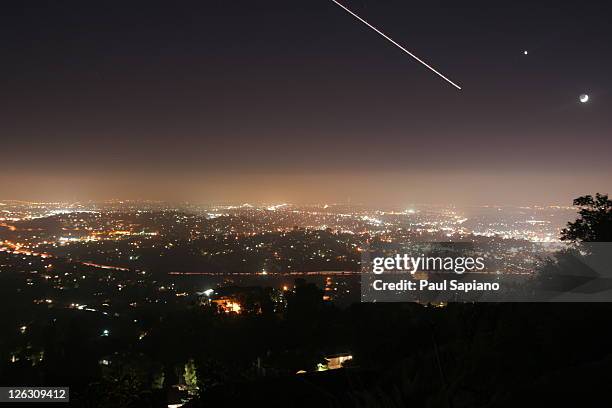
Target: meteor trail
[{"x": 397, "y": 45}]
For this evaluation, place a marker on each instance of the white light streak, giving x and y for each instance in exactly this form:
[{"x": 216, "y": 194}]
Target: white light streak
[{"x": 398, "y": 45}]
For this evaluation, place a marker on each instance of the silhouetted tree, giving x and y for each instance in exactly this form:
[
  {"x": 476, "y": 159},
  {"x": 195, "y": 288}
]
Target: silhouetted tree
[
  {"x": 305, "y": 301},
  {"x": 594, "y": 223}
]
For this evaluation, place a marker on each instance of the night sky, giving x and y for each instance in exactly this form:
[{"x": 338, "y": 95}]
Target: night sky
[{"x": 297, "y": 101}]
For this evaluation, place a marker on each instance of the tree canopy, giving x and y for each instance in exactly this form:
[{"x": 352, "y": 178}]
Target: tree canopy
[{"x": 594, "y": 223}]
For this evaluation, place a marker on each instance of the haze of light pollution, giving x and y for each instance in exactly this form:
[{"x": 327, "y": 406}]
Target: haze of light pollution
[{"x": 282, "y": 102}]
